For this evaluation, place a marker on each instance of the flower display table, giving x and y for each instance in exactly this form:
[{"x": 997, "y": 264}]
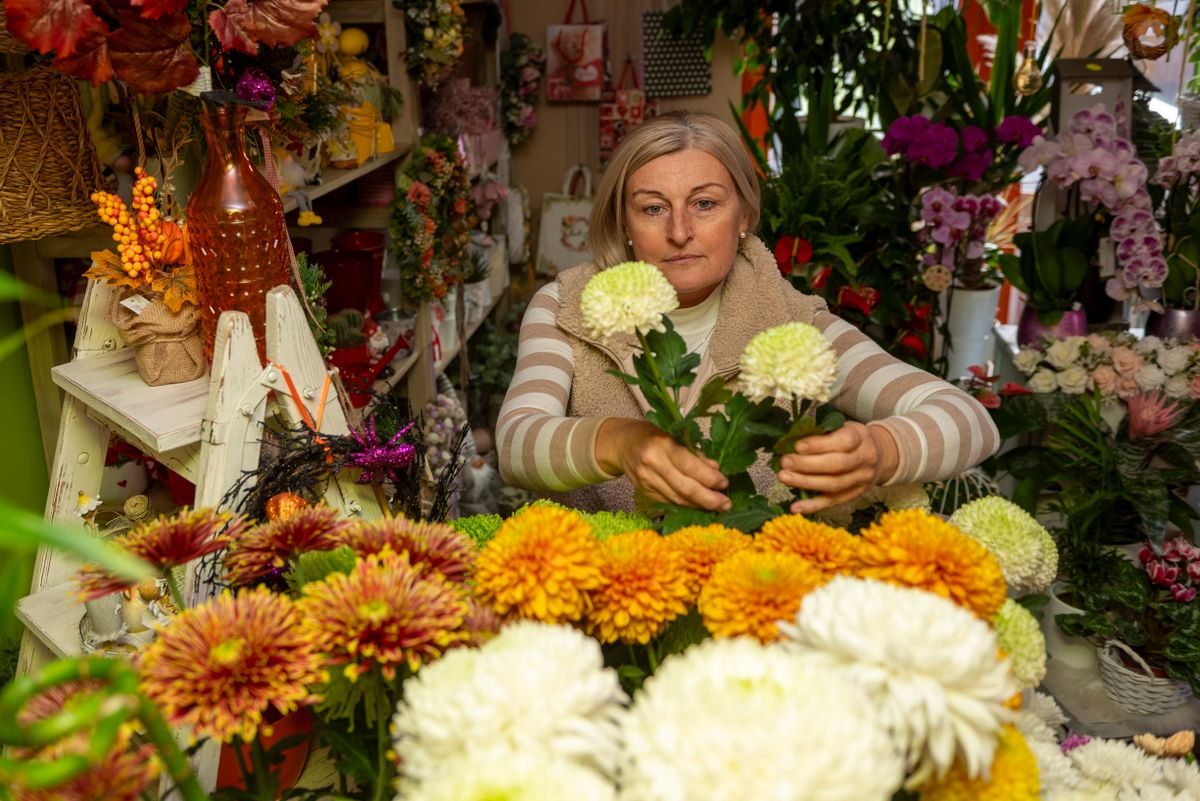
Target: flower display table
[{"x": 1081, "y": 694}]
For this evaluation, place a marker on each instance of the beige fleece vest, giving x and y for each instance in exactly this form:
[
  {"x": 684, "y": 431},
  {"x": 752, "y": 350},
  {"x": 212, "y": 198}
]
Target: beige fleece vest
[{"x": 756, "y": 297}]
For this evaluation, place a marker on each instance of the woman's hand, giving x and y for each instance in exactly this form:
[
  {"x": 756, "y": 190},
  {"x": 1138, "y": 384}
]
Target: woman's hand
[
  {"x": 659, "y": 467},
  {"x": 839, "y": 466}
]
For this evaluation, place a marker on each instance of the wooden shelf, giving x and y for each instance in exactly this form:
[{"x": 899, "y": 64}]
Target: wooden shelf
[
  {"x": 356, "y": 12},
  {"x": 363, "y": 217},
  {"x": 336, "y": 179},
  {"x": 400, "y": 368},
  {"x": 53, "y": 616},
  {"x": 450, "y": 354}
]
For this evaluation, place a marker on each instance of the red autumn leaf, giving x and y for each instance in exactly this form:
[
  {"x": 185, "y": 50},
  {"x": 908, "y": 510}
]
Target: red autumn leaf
[
  {"x": 58, "y": 25},
  {"x": 285, "y": 22},
  {"x": 90, "y": 60},
  {"x": 153, "y": 9},
  {"x": 153, "y": 57},
  {"x": 234, "y": 27}
]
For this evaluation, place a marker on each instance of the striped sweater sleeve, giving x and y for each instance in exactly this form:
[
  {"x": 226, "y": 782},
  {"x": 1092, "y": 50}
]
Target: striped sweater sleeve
[
  {"x": 539, "y": 446},
  {"x": 940, "y": 430}
]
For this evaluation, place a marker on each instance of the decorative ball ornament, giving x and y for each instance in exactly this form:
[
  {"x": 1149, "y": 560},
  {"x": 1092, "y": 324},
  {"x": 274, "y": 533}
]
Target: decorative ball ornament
[
  {"x": 1028, "y": 80},
  {"x": 284, "y": 505},
  {"x": 938, "y": 278},
  {"x": 353, "y": 41}
]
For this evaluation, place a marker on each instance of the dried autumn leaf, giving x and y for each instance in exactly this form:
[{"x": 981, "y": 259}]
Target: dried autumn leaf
[
  {"x": 285, "y": 22},
  {"x": 90, "y": 60},
  {"x": 178, "y": 286},
  {"x": 106, "y": 267},
  {"x": 58, "y": 25},
  {"x": 153, "y": 57},
  {"x": 233, "y": 26},
  {"x": 153, "y": 9}
]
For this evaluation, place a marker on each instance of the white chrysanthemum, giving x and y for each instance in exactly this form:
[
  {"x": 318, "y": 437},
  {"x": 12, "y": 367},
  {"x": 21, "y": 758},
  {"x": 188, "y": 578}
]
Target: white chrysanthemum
[
  {"x": 1116, "y": 762},
  {"x": 1098, "y": 792},
  {"x": 1040, "y": 717},
  {"x": 1153, "y": 792},
  {"x": 1025, "y": 550},
  {"x": 792, "y": 361},
  {"x": 627, "y": 298},
  {"x": 1020, "y": 636},
  {"x": 1027, "y": 360},
  {"x": 1056, "y": 771},
  {"x": 733, "y": 719},
  {"x": 929, "y": 664},
  {"x": 513, "y": 777},
  {"x": 1181, "y": 777},
  {"x": 534, "y": 688}
]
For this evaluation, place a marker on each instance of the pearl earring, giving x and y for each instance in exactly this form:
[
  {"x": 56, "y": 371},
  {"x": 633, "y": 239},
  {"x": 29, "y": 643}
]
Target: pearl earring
[
  {"x": 628, "y": 243},
  {"x": 742, "y": 235}
]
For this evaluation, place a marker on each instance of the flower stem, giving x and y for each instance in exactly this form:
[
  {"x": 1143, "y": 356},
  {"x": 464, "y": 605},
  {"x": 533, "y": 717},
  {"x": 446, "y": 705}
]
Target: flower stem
[
  {"x": 383, "y": 778},
  {"x": 659, "y": 382},
  {"x": 264, "y": 779},
  {"x": 173, "y": 586},
  {"x": 652, "y": 655}
]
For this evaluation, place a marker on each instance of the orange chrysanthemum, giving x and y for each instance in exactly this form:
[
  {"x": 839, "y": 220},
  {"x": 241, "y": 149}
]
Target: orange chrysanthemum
[
  {"x": 267, "y": 548},
  {"x": 912, "y": 548},
  {"x": 833, "y": 550},
  {"x": 430, "y": 546},
  {"x": 165, "y": 543},
  {"x": 645, "y": 588},
  {"x": 752, "y": 590},
  {"x": 541, "y": 565},
  {"x": 702, "y": 547},
  {"x": 386, "y": 614},
  {"x": 220, "y": 666},
  {"x": 119, "y": 776}
]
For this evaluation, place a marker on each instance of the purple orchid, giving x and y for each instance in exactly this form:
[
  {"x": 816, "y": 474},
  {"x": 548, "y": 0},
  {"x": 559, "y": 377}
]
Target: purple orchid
[{"x": 1017, "y": 130}]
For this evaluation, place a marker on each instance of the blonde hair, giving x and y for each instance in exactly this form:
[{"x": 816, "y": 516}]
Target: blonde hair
[{"x": 665, "y": 134}]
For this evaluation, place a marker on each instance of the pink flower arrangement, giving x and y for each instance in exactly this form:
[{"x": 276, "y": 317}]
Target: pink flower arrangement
[
  {"x": 966, "y": 154},
  {"x": 1117, "y": 364},
  {"x": 1177, "y": 568},
  {"x": 955, "y": 228}
]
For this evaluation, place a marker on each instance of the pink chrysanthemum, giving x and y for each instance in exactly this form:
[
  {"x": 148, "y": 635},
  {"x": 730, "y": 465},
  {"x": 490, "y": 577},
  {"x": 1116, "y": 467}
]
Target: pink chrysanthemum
[
  {"x": 220, "y": 666},
  {"x": 268, "y": 548},
  {"x": 430, "y": 546},
  {"x": 165, "y": 543},
  {"x": 384, "y": 615}
]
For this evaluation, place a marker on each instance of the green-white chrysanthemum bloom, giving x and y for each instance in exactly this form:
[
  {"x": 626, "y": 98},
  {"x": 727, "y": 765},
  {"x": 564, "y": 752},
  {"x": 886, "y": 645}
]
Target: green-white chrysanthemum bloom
[
  {"x": 627, "y": 298},
  {"x": 792, "y": 361},
  {"x": 1020, "y": 636},
  {"x": 1026, "y": 552},
  {"x": 513, "y": 776}
]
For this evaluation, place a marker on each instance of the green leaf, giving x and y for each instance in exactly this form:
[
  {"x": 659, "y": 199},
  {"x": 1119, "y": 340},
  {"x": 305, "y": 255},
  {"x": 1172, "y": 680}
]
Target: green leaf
[
  {"x": 800, "y": 428},
  {"x": 316, "y": 565},
  {"x": 749, "y": 514},
  {"x": 1183, "y": 647},
  {"x": 682, "y": 633},
  {"x": 353, "y": 757},
  {"x": 737, "y": 434},
  {"x": 683, "y": 516},
  {"x": 712, "y": 394},
  {"x": 23, "y": 531},
  {"x": 678, "y": 367}
]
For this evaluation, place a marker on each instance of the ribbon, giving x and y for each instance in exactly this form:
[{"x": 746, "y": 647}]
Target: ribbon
[{"x": 315, "y": 427}]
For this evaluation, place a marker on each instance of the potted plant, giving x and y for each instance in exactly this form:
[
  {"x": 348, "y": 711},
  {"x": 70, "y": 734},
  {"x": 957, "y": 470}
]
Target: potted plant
[
  {"x": 1050, "y": 271},
  {"x": 1176, "y": 311}
]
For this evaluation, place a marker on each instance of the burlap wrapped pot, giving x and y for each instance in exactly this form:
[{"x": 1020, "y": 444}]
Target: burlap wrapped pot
[{"x": 166, "y": 345}]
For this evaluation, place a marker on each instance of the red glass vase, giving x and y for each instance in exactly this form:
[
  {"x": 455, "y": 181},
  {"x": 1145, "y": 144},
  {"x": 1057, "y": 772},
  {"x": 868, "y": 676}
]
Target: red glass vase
[{"x": 236, "y": 230}]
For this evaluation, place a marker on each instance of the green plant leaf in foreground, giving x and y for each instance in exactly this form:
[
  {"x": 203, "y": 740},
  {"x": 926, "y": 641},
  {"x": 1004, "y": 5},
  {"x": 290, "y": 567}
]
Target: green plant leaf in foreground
[{"x": 22, "y": 531}]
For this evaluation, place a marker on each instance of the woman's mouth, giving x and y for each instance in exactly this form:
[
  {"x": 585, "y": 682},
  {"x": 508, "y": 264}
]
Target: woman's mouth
[{"x": 681, "y": 258}]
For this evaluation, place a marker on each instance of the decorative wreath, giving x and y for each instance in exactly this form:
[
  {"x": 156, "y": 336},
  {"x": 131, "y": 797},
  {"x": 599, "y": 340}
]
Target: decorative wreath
[{"x": 1142, "y": 22}]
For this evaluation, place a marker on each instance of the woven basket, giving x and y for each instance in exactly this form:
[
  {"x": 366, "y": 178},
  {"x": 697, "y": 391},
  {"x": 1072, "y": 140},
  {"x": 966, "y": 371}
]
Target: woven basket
[
  {"x": 48, "y": 164},
  {"x": 1140, "y": 693},
  {"x": 7, "y": 43}
]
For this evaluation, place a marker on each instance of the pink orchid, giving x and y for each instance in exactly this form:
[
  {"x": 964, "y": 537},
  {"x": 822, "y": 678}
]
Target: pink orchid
[{"x": 1098, "y": 191}]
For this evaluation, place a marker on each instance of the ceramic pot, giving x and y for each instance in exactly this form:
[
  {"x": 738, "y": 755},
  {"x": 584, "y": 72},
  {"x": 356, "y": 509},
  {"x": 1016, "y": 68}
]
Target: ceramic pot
[
  {"x": 1074, "y": 652},
  {"x": 294, "y": 758},
  {"x": 1030, "y": 330},
  {"x": 970, "y": 318},
  {"x": 1174, "y": 324},
  {"x": 349, "y": 274}
]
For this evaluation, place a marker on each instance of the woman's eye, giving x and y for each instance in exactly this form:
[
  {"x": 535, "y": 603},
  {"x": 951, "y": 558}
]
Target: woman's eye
[
  {"x": 653, "y": 208},
  {"x": 705, "y": 205}
]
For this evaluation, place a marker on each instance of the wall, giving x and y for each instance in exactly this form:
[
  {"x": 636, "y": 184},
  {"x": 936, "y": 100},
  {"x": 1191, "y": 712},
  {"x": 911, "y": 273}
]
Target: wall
[{"x": 568, "y": 133}]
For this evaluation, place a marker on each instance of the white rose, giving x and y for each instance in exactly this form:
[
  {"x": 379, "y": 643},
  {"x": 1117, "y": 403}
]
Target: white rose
[
  {"x": 1150, "y": 377},
  {"x": 1043, "y": 381},
  {"x": 1147, "y": 345},
  {"x": 1073, "y": 380},
  {"x": 1174, "y": 360},
  {"x": 1065, "y": 352},
  {"x": 1177, "y": 387},
  {"x": 1027, "y": 360}
]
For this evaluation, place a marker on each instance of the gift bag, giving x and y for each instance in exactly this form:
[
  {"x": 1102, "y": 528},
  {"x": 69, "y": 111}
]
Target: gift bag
[
  {"x": 622, "y": 110},
  {"x": 575, "y": 58},
  {"x": 563, "y": 235},
  {"x": 674, "y": 66}
]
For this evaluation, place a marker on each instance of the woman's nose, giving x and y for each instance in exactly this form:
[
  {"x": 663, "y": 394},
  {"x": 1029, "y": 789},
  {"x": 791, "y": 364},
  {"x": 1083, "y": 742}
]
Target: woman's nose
[{"x": 681, "y": 228}]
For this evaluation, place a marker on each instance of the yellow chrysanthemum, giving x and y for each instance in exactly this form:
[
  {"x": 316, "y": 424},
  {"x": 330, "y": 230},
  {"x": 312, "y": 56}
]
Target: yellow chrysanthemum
[
  {"x": 626, "y": 298},
  {"x": 540, "y": 565},
  {"x": 752, "y": 590},
  {"x": 644, "y": 588},
  {"x": 792, "y": 361},
  {"x": 833, "y": 550},
  {"x": 911, "y": 548},
  {"x": 1014, "y": 776},
  {"x": 702, "y": 547}
]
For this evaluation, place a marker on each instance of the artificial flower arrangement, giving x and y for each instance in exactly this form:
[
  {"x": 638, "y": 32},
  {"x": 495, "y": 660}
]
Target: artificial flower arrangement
[
  {"x": 791, "y": 367},
  {"x": 1179, "y": 174},
  {"x": 522, "y": 67},
  {"x": 434, "y": 30},
  {"x": 429, "y": 220}
]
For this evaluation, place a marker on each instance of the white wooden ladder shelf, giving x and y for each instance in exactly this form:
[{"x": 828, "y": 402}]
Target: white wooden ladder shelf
[{"x": 207, "y": 430}]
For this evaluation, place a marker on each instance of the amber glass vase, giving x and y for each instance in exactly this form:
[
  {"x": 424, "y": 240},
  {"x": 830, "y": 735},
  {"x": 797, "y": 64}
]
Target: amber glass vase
[{"x": 236, "y": 230}]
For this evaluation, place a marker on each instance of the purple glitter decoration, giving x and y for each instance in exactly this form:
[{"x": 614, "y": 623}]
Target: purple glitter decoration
[
  {"x": 1074, "y": 741},
  {"x": 381, "y": 462},
  {"x": 256, "y": 88}
]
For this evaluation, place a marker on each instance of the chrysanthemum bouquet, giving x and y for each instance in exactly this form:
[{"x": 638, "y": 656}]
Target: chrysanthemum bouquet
[{"x": 789, "y": 367}]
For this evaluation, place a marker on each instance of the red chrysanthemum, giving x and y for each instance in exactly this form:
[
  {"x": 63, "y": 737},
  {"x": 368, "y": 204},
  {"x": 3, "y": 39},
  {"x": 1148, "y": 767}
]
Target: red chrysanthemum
[
  {"x": 220, "y": 666},
  {"x": 384, "y": 615},
  {"x": 119, "y": 776},
  {"x": 430, "y": 546},
  {"x": 269, "y": 547},
  {"x": 165, "y": 543}
]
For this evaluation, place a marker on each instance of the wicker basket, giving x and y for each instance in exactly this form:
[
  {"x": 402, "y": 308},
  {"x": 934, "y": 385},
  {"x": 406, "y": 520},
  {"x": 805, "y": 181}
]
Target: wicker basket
[
  {"x": 1140, "y": 693},
  {"x": 7, "y": 43},
  {"x": 48, "y": 164}
]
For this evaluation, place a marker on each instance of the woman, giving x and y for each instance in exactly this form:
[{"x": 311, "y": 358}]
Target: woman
[{"x": 682, "y": 194}]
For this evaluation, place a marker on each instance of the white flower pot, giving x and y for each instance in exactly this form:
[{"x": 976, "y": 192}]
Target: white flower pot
[
  {"x": 972, "y": 312},
  {"x": 1074, "y": 652}
]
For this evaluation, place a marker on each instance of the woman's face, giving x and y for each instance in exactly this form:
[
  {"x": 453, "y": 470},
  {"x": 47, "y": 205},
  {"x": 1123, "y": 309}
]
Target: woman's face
[{"x": 684, "y": 217}]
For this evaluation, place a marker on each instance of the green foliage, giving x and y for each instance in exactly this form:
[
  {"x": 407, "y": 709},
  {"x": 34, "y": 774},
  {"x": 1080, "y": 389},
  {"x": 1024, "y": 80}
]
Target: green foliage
[
  {"x": 314, "y": 284},
  {"x": 1052, "y": 266},
  {"x": 480, "y": 528},
  {"x": 316, "y": 565}
]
